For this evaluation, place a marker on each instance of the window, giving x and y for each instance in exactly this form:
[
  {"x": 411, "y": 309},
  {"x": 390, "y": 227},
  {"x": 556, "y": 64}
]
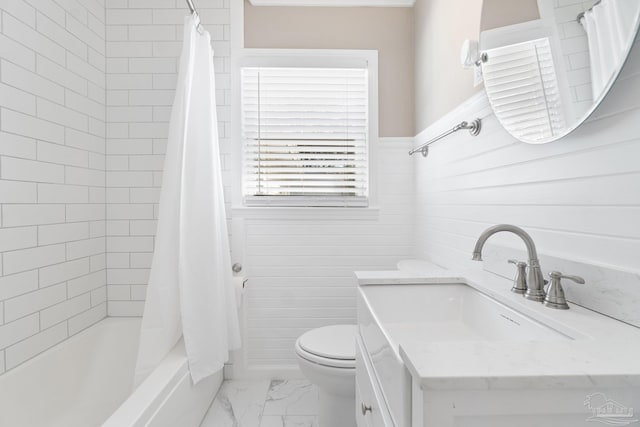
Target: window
[{"x": 305, "y": 132}]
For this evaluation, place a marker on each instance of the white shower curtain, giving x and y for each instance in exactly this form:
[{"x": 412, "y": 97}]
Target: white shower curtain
[
  {"x": 190, "y": 292},
  {"x": 608, "y": 26}
]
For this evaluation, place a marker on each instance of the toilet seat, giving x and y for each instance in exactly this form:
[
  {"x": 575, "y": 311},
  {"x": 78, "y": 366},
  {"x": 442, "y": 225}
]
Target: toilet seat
[{"x": 332, "y": 346}]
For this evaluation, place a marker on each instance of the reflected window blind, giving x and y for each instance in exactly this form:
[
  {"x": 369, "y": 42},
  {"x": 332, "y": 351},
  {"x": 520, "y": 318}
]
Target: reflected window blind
[
  {"x": 305, "y": 136},
  {"x": 522, "y": 85}
]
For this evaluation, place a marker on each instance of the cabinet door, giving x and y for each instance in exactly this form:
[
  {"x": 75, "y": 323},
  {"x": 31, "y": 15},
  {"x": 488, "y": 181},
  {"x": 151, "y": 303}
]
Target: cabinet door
[{"x": 371, "y": 409}]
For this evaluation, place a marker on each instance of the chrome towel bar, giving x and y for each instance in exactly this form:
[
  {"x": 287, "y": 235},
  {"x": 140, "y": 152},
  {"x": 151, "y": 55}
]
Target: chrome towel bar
[{"x": 474, "y": 129}]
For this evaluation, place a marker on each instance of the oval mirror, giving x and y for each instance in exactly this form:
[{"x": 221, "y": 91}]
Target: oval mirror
[{"x": 547, "y": 64}]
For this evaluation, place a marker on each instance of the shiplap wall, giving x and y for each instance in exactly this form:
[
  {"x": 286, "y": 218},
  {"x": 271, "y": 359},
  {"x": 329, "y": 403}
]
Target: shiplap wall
[
  {"x": 300, "y": 265},
  {"x": 52, "y": 130},
  {"x": 578, "y": 197},
  {"x": 144, "y": 42}
]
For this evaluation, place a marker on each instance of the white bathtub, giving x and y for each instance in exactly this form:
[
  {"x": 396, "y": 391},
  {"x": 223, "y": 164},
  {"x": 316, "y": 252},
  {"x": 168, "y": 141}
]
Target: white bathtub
[{"x": 86, "y": 381}]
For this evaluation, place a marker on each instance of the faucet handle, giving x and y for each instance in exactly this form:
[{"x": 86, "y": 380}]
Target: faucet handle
[
  {"x": 520, "y": 280},
  {"x": 558, "y": 275},
  {"x": 555, "y": 294}
]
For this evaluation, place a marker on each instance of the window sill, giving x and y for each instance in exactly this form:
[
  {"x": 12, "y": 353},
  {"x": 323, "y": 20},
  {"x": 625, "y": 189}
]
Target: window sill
[{"x": 307, "y": 213}]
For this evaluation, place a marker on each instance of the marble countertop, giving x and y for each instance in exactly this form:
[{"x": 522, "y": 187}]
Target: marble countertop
[{"x": 604, "y": 352}]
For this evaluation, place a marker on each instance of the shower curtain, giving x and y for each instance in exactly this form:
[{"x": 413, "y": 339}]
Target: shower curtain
[
  {"x": 190, "y": 292},
  {"x": 608, "y": 26}
]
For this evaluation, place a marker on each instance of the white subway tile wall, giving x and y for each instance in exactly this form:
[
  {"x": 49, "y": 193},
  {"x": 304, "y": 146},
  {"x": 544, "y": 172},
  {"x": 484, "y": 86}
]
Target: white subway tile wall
[
  {"x": 143, "y": 45},
  {"x": 575, "y": 48},
  {"x": 52, "y": 173}
]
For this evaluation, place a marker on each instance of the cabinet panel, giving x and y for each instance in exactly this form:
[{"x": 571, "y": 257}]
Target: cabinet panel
[
  {"x": 371, "y": 409},
  {"x": 392, "y": 376}
]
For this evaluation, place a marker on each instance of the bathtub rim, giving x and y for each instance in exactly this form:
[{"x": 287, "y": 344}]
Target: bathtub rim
[
  {"x": 169, "y": 381},
  {"x": 144, "y": 401}
]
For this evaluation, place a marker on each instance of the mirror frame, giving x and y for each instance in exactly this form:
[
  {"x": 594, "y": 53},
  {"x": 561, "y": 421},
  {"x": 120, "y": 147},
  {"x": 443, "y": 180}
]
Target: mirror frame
[{"x": 596, "y": 103}]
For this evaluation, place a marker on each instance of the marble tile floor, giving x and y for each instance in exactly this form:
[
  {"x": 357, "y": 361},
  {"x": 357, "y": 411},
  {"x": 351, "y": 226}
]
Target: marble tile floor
[{"x": 275, "y": 403}]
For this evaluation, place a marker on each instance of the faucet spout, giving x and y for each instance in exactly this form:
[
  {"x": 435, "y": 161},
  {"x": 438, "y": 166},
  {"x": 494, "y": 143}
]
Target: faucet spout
[{"x": 535, "y": 280}]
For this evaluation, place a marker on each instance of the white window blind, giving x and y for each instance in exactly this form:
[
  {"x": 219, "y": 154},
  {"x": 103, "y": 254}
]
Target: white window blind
[
  {"x": 522, "y": 85},
  {"x": 305, "y": 136}
]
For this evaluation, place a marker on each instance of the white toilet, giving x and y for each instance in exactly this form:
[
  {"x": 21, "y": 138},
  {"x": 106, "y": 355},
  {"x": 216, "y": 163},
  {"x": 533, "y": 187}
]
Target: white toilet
[{"x": 326, "y": 356}]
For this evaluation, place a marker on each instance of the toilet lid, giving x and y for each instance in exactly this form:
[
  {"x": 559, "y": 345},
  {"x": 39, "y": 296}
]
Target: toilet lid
[{"x": 331, "y": 342}]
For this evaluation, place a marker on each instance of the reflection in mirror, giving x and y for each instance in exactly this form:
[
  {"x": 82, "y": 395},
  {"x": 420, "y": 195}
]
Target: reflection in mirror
[{"x": 550, "y": 62}]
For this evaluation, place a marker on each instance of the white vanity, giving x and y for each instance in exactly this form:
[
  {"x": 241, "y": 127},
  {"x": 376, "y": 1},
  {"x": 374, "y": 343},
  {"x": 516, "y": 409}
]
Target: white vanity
[{"x": 443, "y": 348}]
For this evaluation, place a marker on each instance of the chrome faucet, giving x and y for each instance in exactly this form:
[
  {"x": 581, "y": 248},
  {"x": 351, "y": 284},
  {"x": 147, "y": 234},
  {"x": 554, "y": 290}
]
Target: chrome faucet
[{"x": 535, "y": 280}]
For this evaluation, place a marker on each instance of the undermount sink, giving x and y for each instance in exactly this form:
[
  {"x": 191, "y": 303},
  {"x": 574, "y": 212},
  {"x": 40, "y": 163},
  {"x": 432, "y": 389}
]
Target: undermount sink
[{"x": 449, "y": 312}]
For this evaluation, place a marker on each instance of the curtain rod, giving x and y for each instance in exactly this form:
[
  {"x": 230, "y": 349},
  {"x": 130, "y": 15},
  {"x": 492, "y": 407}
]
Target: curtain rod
[
  {"x": 580, "y": 15},
  {"x": 192, "y": 8}
]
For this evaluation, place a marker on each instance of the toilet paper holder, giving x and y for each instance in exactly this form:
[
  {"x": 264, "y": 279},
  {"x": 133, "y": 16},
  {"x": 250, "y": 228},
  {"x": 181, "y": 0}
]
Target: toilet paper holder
[{"x": 237, "y": 268}]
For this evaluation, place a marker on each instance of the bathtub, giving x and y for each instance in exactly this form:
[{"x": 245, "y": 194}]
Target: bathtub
[{"x": 87, "y": 381}]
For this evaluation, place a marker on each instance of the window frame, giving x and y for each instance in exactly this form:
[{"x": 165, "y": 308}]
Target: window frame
[{"x": 329, "y": 58}]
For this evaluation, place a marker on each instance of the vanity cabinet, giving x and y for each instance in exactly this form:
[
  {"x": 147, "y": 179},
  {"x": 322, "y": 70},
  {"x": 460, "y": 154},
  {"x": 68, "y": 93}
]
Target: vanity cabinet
[
  {"x": 513, "y": 405},
  {"x": 481, "y": 406},
  {"x": 463, "y": 351}
]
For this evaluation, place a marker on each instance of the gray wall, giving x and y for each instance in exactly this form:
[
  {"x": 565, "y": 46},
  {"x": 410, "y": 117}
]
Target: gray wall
[{"x": 440, "y": 81}]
